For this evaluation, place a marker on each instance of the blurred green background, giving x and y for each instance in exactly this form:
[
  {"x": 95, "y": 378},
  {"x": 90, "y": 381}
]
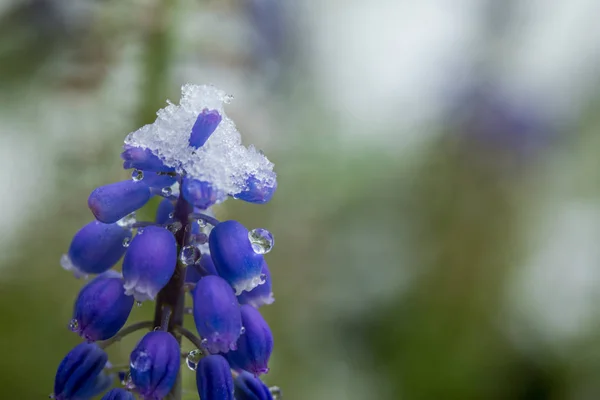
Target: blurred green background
[{"x": 438, "y": 213}]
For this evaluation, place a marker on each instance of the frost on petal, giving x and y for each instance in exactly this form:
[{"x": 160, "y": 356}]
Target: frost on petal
[{"x": 222, "y": 160}]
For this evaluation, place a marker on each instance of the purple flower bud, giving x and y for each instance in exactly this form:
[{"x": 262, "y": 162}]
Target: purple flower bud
[
  {"x": 156, "y": 180},
  {"x": 149, "y": 263},
  {"x": 254, "y": 346},
  {"x": 205, "y": 125},
  {"x": 79, "y": 375},
  {"x": 95, "y": 248},
  {"x": 217, "y": 314},
  {"x": 213, "y": 378},
  {"x": 234, "y": 258},
  {"x": 249, "y": 387},
  {"x": 204, "y": 268},
  {"x": 101, "y": 308},
  {"x": 260, "y": 295},
  {"x": 143, "y": 159},
  {"x": 154, "y": 364},
  {"x": 198, "y": 193},
  {"x": 118, "y": 394},
  {"x": 112, "y": 202},
  {"x": 257, "y": 191},
  {"x": 164, "y": 212}
]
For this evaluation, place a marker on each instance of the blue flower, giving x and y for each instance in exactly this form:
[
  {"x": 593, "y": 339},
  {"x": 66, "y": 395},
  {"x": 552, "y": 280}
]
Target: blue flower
[
  {"x": 114, "y": 201},
  {"x": 213, "y": 378},
  {"x": 205, "y": 125},
  {"x": 199, "y": 194},
  {"x": 154, "y": 364},
  {"x": 257, "y": 191},
  {"x": 95, "y": 248},
  {"x": 234, "y": 257},
  {"x": 216, "y": 314},
  {"x": 79, "y": 375},
  {"x": 260, "y": 295},
  {"x": 249, "y": 387},
  {"x": 164, "y": 212},
  {"x": 149, "y": 263},
  {"x": 101, "y": 308},
  {"x": 142, "y": 159},
  {"x": 157, "y": 180},
  {"x": 118, "y": 394},
  {"x": 255, "y": 346},
  {"x": 203, "y": 268}
]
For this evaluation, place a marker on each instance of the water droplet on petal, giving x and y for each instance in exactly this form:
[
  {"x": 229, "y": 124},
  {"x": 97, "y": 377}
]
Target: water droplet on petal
[
  {"x": 204, "y": 342},
  {"x": 201, "y": 223},
  {"x": 189, "y": 255},
  {"x": 261, "y": 240},
  {"x": 157, "y": 328},
  {"x": 171, "y": 215},
  {"x": 137, "y": 175},
  {"x": 166, "y": 191},
  {"x": 193, "y": 358},
  {"x": 276, "y": 393},
  {"x": 243, "y": 330},
  {"x": 126, "y": 242},
  {"x": 142, "y": 362},
  {"x": 127, "y": 221},
  {"x": 174, "y": 227},
  {"x": 74, "y": 325}
]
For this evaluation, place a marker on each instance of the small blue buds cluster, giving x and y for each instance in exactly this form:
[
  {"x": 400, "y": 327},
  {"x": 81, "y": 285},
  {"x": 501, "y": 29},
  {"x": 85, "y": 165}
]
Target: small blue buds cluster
[{"x": 192, "y": 157}]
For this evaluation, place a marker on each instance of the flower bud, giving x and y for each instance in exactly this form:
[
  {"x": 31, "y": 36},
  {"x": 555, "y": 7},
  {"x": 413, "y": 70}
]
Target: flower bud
[
  {"x": 260, "y": 295},
  {"x": 114, "y": 201},
  {"x": 199, "y": 193},
  {"x": 249, "y": 387},
  {"x": 205, "y": 125},
  {"x": 79, "y": 375},
  {"x": 258, "y": 191},
  {"x": 234, "y": 258},
  {"x": 204, "y": 268},
  {"x": 149, "y": 262},
  {"x": 254, "y": 347},
  {"x": 101, "y": 308},
  {"x": 95, "y": 248},
  {"x": 154, "y": 364},
  {"x": 143, "y": 159},
  {"x": 216, "y": 314},
  {"x": 213, "y": 378},
  {"x": 118, "y": 394},
  {"x": 164, "y": 212},
  {"x": 156, "y": 180}
]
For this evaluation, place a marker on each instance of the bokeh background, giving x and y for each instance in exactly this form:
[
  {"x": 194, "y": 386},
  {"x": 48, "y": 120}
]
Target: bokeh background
[{"x": 437, "y": 223}]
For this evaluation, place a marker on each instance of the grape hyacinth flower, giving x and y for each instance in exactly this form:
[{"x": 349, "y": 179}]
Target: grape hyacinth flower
[
  {"x": 249, "y": 387},
  {"x": 118, "y": 394},
  {"x": 80, "y": 374},
  {"x": 192, "y": 157},
  {"x": 213, "y": 379},
  {"x": 254, "y": 347}
]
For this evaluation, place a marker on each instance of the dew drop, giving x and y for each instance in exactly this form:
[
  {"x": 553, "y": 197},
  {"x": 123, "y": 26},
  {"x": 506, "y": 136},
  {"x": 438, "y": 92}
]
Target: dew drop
[
  {"x": 276, "y": 393},
  {"x": 127, "y": 221},
  {"x": 193, "y": 358},
  {"x": 204, "y": 342},
  {"x": 201, "y": 223},
  {"x": 157, "y": 328},
  {"x": 51, "y": 396},
  {"x": 166, "y": 191},
  {"x": 228, "y": 99},
  {"x": 189, "y": 255},
  {"x": 171, "y": 215},
  {"x": 137, "y": 175},
  {"x": 123, "y": 377},
  {"x": 138, "y": 303},
  {"x": 74, "y": 325},
  {"x": 174, "y": 227},
  {"x": 142, "y": 362},
  {"x": 140, "y": 231},
  {"x": 242, "y": 330},
  {"x": 126, "y": 242},
  {"x": 261, "y": 240}
]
